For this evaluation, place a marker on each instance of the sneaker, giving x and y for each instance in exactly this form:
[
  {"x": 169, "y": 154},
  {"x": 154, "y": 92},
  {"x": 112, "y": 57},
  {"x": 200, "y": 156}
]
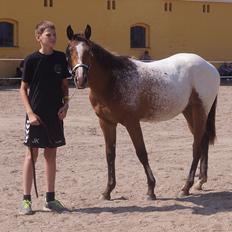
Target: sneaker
[
  {"x": 25, "y": 208},
  {"x": 54, "y": 206}
]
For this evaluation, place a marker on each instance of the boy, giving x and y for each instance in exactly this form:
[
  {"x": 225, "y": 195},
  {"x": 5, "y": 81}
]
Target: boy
[{"x": 45, "y": 75}]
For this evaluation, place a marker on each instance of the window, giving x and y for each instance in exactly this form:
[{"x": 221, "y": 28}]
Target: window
[
  {"x": 108, "y": 5},
  {"x": 206, "y": 8},
  {"x": 111, "y": 4},
  {"x": 138, "y": 37},
  {"x": 48, "y": 3},
  {"x": 168, "y": 6},
  {"x": 6, "y": 34},
  {"x": 165, "y": 6}
]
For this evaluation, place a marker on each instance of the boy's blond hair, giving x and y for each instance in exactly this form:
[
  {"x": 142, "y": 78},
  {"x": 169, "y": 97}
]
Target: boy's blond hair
[{"x": 42, "y": 26}]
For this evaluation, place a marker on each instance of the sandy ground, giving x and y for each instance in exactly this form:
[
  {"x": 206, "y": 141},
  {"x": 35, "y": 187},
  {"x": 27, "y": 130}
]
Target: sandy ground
[{"x": 82, "y": 173}]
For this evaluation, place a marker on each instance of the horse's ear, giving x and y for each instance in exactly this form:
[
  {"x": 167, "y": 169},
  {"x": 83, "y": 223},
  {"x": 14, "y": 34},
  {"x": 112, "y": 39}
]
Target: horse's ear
[
  {"x": 69, "y": 32},
  {"x": 87, "y": 32}
]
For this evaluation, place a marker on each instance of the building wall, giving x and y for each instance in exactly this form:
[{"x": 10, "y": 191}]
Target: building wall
[{"x": 185, "y": 29}]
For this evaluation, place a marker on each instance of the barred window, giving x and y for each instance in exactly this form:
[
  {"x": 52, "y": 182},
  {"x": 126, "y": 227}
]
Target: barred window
[
  {"x": 48, "y": 3},
  {"x": 168, "y": 6},
  {"x": 206, "y": 8},
  {"x": 111, "y": 5}
]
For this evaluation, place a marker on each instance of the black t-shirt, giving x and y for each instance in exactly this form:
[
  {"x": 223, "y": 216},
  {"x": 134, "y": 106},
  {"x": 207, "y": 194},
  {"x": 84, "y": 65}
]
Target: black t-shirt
[{"x": 44, "y": 74}]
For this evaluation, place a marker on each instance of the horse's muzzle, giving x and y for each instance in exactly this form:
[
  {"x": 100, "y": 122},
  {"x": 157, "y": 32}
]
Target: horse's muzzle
[
  {"x": 80, "y": 75},
  {"x": 81, "y": 82}
]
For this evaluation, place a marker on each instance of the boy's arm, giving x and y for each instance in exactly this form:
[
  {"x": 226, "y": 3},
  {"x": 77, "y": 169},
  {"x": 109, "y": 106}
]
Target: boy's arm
[
  {"x": 63, "y": 110},
  {"x": 33, "y": 118},
  {"x": 65, "y": 90}
]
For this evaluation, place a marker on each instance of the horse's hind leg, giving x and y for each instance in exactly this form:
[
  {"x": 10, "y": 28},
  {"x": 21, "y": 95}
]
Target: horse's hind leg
[
  {"x": 109, "y": 132},
  {"x": 135, "y": 132},
  {"x": 203, "y": 163},
  {"x": 209, "y": 137},
  {"x": 196, "y": 118}
]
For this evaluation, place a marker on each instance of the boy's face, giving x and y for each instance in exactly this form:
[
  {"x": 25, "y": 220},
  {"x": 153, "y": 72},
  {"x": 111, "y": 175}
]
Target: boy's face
[{"x": 47, "y": 38}]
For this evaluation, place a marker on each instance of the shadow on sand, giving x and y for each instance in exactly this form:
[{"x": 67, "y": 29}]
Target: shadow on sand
[
  {"x": 203, "y": 204},
  {"x": 210, "y": 203}
]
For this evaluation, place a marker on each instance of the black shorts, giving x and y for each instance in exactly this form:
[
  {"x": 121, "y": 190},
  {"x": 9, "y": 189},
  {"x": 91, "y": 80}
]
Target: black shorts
[{"x": 49, "y": 134}]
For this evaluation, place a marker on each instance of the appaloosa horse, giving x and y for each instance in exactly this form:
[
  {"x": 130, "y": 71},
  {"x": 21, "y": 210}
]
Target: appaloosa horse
[{"x": 126, "y": 91}]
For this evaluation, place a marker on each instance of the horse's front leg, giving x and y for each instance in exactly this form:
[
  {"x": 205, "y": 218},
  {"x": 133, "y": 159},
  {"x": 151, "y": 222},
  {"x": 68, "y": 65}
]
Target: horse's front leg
[
  {"x": 109, "y": 132},
  {"x": 135, "y": 132}
]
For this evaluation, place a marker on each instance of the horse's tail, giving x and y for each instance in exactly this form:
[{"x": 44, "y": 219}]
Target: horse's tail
[{"x": 210, "y": 127}]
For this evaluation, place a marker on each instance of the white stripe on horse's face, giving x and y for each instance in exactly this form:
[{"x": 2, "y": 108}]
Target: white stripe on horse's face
[{"x": 80, "y": 51}]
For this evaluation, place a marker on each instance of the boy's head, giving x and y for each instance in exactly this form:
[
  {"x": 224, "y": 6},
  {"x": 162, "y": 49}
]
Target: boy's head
[{"x": 45, "y": 33}]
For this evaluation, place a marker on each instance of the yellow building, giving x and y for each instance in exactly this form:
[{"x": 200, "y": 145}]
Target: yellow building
[{"x": 163, "y": 27}]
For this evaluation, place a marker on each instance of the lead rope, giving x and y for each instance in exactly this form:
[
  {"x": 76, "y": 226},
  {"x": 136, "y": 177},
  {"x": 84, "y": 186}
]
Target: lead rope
[
  {"x": 34, "y": 173},
  {"x": 75, "y": 83}
]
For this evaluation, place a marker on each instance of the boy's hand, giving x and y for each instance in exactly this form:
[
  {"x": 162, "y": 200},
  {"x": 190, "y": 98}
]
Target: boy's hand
[
  {"x": 34, "y": 119},
  {"x": 63, "y": 111}
]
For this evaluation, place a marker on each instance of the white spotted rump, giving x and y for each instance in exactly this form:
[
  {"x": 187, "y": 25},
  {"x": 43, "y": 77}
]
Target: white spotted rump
[{"x": 168, "y": 84}]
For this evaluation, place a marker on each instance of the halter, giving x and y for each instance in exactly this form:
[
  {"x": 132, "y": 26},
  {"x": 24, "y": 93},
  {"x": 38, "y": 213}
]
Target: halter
[
  {"x": 79, "y": 66},
  {"x": 74, "y": 70}
]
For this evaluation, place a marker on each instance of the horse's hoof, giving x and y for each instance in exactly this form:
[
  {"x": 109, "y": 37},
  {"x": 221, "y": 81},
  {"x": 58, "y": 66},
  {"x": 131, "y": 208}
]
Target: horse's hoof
[
  {"x": 151, "y": 197},
  {"x": 122, "y": 198},
  {"x": 183, "y": 194},
  {"x": 104, "y": 197},
  {"x": 198, "y": 186}
]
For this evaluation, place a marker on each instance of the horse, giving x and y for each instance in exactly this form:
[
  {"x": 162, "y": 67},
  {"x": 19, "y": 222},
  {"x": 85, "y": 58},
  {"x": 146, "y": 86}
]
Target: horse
[{"x": 126, "y": 91}]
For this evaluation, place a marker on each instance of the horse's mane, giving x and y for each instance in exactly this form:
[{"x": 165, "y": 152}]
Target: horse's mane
[{"x": 110, "y": 60}]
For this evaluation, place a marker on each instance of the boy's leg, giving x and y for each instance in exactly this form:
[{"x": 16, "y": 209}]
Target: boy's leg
[
  {"x": 25, "y": 207},
  {"x": 51, "y": 203},
  {"x": 50, "y": 168}
]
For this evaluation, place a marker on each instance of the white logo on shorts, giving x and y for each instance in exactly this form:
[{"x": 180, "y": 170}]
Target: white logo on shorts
[
  {"x": 35, "y": 140},
  {"x": 59, "y": 141}
]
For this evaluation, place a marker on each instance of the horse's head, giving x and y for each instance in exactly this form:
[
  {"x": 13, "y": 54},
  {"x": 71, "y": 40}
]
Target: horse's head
[{"x": 79, "y": 55}]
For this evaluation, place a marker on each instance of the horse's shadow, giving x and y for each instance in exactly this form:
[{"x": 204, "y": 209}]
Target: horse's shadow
[
  {"x": 204, "y": 204},
  {"x": 127, "y": 209},
  {"x": 210, "y": 203}
]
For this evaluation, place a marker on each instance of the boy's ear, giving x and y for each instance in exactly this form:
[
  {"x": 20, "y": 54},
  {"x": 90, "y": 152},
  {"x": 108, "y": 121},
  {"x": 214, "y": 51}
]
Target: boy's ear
[
  {"x": 69, "y": 32},
  {"x": 87, "y": 32},
  {"x": 37, "y": 38}
]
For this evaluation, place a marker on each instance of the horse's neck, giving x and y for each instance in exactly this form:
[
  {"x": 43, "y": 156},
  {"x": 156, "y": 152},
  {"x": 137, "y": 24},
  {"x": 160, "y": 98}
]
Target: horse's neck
[
  {"x": 104, "y": 68},
  {"x": 100, "y": 78},
  {"x": 101, "y": 70}
]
